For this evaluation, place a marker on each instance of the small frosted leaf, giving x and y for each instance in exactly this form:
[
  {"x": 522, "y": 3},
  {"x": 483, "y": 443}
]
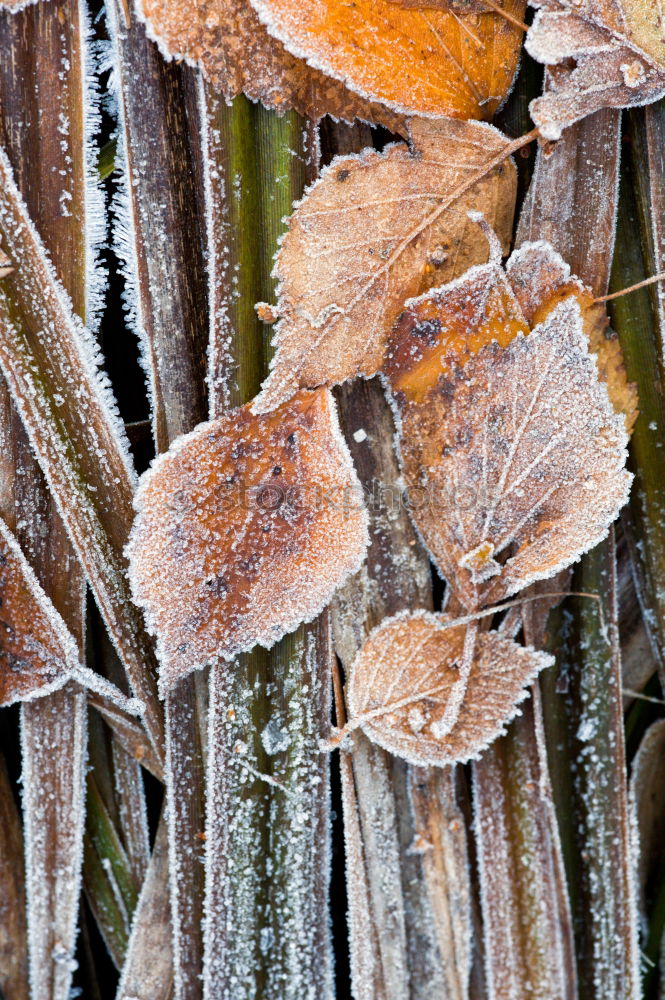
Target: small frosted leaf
[
  {"x": 541, "y": 279},
  {"x": 405, "y": 675},
  {"x": 374, "y": 229},
  {"x": 600, "y": 54},
  {"x": 458, "y": 61},
  {"x": 245, "y": 529},
  {"x": 237, "y": 55},
  {"x": 37, "y": 652},
  {"x": 513, "y": 456}
]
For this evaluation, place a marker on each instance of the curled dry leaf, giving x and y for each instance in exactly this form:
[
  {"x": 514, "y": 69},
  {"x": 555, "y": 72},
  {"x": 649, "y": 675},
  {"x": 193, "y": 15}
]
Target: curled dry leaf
[
  {"x": 236, "y": 53},
  {"x": 512, "y": 452},
  {"x": 245, "y": 529},
  {"x": 374, "y": 229},
  {"x": 457, "y": 60},
  {"x": 600, "y": 54},
  {"x": 37, "y": 652},
  {"x": 404, "y": 675}
]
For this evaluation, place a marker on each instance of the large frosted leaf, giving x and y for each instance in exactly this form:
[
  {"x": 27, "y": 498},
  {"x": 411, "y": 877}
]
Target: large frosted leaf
[
  {"x": 374, "y": 229},
  {"x": 514, "y": 457},
  {"x": 245, "y": 529},
  {"x": 436, "y": 60},
  {"x": 236, "y": 53}
]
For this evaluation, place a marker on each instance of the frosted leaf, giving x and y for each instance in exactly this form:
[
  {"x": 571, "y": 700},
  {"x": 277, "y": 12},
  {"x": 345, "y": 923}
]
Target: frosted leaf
[
  {"x": 37, "y": 652},
  {"x": 600, "y": 54},
  {"x": 541, "y": 279},
  {"x": 374, "y": 229},
  {"x": 237, "y": 55},
  {"x": 245, "y": 529},
  {"x": 456, "y": 62},
  {"x": 404, "y": 676},
  {"x": 513, "y": 456}
]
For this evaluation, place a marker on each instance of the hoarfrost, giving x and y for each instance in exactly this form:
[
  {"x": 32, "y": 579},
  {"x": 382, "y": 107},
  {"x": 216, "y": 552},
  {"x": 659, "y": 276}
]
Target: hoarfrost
[
  {"x": 53, "y": 747},
  {"x": 265, "y": 912},
  {"x": 600, "y": 54}
]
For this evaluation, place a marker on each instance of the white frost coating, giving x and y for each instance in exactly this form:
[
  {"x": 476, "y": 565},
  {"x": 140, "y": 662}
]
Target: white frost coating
[
  {"x": 95, "y": 203},
  {"x": 338, "y": 296},
  {"x": 266, "y": 912},
  {"x": 547, "y": 452},
  {"x": 221, "y": 364},
  {"x": 22, "y": 241},
  {"x": 123, "y": 226},
  {"x": 53, "y": 747},
  {"x": 17, "y": 5}
]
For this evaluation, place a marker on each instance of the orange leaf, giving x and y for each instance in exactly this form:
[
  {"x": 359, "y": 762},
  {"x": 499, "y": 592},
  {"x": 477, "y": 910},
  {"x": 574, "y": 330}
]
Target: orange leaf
[
  {"x": 236, "y": 53},
  {"x": 374, "y": 229},
  {"x": 600, "y": 53},
  {"x": 541, "y": 279},
  {"x": 404, "y": 675},
  {"x": 459, "y": 61},
  {"x": 512, "y": 452},
  {"x": 245, "y": 529},
  {"x": 37, "y": 652}
]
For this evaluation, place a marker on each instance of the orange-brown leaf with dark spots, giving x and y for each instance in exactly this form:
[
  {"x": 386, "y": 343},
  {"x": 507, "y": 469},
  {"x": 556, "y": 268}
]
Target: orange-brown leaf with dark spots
[{"x": 245, "y": 528}]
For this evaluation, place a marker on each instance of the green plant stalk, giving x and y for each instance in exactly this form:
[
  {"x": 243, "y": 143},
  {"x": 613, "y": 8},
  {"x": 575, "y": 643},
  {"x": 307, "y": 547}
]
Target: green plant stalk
[
  {"x": 108, "y": 877},
  {"x": 584, "y": 730},
  {"x": 267, "y": 836},
  {"x": 635, "y": 319}
]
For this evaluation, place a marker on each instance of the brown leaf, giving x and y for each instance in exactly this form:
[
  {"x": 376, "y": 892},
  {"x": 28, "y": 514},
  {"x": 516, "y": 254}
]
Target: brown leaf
[
  {"x": 373, "y": 230},
  {"x": 541, "y": 279},
  {"x": 600, "y": 54},
  {"x": 245, "y": 529},
  {"x": 37, "y": 652},
  {"x": 513, "y": 456},
  {"x": 236, "y": 53},
  {"x": 458, "y": 61},
  {"x": 403, "y": 678}
]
